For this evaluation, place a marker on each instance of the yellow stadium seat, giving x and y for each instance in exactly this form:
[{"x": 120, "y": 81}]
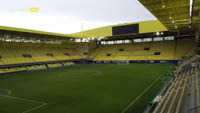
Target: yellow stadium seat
[
  {"x": 13, "y": 53},
  {"x": 169, "y": 50}
]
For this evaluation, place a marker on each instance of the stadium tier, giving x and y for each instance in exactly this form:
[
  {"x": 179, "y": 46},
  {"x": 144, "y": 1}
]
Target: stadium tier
[
  {"x": 164, "y": 50},
  {"x": 34, "y": 67},
  {"x": 54, "y": 65},
  {"x": 139, "y": 67},
  {"x": 12, "y": 53},
  {"x": 179, "y": 93}
]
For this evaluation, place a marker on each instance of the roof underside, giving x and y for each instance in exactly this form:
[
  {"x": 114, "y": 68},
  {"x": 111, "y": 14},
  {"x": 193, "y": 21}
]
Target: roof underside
[
  {"x": 174, "y": 14},
  {"x": 196, "y": 15}
]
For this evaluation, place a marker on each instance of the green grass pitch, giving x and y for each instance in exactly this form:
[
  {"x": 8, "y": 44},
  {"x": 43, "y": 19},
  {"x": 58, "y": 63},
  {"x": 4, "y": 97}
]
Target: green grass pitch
[{"x": 104, "y": 88}]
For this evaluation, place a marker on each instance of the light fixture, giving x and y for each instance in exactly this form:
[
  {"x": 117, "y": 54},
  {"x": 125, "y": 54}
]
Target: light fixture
[
  {"x": 163, "y": 6},
  {"x": 157, "y": 33}
]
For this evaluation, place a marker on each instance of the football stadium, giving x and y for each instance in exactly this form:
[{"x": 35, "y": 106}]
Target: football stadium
[{"x": 138, "y": 67}]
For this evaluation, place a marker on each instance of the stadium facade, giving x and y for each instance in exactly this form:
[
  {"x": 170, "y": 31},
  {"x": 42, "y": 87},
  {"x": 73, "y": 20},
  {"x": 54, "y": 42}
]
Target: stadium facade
[{"x": 173, "y": 38}]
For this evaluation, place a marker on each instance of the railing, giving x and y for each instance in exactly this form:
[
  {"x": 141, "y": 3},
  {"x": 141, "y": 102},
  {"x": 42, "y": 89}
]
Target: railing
[
  {"x": 194, "y": 110},
  {"x": 152, "y": 106},
  {"x": 131, "y": 107}
]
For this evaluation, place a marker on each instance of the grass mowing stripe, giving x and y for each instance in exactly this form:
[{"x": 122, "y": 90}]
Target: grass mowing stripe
[
  {"x": 83, "y": 88},
  {"x": 1, "y": 111},
  {"x": 138, "y": 97}
]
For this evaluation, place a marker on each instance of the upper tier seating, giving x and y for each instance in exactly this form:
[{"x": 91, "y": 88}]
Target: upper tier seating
[
  {"x": 184, "y": 47},
  {"x": 18, "y": 53},
  {"x": 21, "y": 53},
  {"x": 165, "y": 50}
]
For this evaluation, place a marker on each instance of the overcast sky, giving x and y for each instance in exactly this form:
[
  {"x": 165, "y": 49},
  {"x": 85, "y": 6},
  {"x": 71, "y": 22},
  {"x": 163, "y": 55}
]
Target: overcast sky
[{"x": 67, "y": 16}]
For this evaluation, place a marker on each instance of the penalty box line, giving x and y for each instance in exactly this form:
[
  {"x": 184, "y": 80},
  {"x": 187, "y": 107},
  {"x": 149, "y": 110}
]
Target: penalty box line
[{"x": 42, "y": 104}]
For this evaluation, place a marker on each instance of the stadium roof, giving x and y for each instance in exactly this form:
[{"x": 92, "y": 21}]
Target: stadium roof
[
  {"x": 174, "y": 14},
  {"x": 5, "y": 28},
  {"x": 144, "y": 27}
]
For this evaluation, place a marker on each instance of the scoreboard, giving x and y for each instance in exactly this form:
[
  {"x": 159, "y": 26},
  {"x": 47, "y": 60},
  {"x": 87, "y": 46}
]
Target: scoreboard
[{"x": 126, "y": 29}]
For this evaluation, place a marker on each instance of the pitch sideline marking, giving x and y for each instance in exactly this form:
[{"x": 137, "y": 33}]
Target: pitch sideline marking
[
  {"x": 37, "y": 107},
  {"x": 139, "y": 96},
  {"x": 23, "y": 99}
]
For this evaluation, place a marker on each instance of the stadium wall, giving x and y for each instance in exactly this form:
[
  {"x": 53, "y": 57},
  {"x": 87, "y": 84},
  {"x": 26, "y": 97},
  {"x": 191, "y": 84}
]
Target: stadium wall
[{"x": 144, "y": 27}]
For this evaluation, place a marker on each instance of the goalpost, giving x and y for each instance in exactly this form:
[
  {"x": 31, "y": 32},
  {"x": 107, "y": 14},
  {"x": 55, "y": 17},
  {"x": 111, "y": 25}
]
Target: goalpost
[
  {"x": 5, "y": 92},
  {"x": 123, "y": 62}
]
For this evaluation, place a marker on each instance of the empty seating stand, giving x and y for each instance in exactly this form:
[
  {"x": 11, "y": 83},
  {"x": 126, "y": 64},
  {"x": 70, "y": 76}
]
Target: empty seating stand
[
  {"x": 54, "y": 65},
  {"x": 12, "y": 53},
  {"x": 183, "y": 94},
  {"x": 68, "y": 63},
  {"x": 22, "y": 68},
  {"x": 2, "y": 71},
  {"x": 166, "y": 50}
]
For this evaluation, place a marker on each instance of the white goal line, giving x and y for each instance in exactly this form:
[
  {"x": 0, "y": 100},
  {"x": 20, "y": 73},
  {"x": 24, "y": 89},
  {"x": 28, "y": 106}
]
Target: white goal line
[{"x": 42, "y": 104}]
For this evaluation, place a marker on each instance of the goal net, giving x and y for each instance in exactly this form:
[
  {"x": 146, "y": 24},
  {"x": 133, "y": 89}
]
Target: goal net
[
  {"x": 5, "y": 92},
  {"x": 123, "y": 62}
]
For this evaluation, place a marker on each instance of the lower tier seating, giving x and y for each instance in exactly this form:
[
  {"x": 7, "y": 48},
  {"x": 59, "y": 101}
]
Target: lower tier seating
[
  {"x": 54, "y": 65},
  {"x": 183, "y": 94},
  {"x": 34, "y": 67},
  {"x": 68, "y": 63}
]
